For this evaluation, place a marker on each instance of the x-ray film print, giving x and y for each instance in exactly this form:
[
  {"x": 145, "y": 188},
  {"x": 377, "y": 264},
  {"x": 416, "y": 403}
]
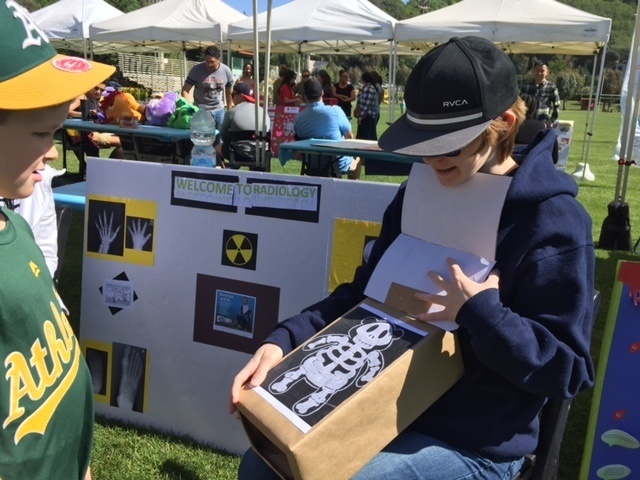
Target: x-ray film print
[
  {"x": 350, "y": 239},
  {"x": 331, "y": 367},
  {"x": 121, "y": 229},
  {"x": 98, "y": 356}
]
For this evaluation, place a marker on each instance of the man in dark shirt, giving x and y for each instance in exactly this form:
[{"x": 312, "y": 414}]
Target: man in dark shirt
[{"x": 545, "y": 92}]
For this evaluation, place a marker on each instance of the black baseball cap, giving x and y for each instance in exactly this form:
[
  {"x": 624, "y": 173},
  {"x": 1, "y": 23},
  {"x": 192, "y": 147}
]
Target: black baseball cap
[
  {"x": 452, "y": 95},
  {"x": 244, "y": 89}
]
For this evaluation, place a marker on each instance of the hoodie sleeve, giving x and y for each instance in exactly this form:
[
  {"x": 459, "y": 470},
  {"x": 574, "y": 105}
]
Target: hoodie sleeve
[
  {"x": 294, "y": 331},
  {"x": 544, "y": 348}
]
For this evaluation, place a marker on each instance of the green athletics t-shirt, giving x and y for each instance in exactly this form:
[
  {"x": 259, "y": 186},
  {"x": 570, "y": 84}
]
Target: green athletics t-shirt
[{"x": 46, "y": 399}]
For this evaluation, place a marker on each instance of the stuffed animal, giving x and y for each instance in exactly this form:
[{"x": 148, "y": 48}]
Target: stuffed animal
[
  {"x": 181, "y": 118},
  {"x": 160, "y": 109},
  {"x": 115, "y": 104}
]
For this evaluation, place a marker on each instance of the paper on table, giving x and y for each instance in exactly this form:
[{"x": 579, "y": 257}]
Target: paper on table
[
  {"x": 464, "y": 217},
  {"x": 350, "y": 144}
]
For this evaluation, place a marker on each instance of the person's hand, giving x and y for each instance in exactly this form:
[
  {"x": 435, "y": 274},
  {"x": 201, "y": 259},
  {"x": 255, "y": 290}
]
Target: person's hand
[
  {"x": 255, "y": 371},
  {"x": 457, "y": 292},
  {"x": 132, "y": 368},
  {"x": 139, "y": 235},
  {"x": 107, "y": 235}
]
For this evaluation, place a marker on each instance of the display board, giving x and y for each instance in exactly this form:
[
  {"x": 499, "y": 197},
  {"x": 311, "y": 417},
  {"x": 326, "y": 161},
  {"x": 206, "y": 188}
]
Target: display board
[
  {"x": 613, "y": 437},
  {"x": 186, "y": 271}
]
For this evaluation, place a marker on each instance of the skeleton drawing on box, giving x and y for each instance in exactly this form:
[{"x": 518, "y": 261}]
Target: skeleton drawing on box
[{"x": 339, "y": 361}]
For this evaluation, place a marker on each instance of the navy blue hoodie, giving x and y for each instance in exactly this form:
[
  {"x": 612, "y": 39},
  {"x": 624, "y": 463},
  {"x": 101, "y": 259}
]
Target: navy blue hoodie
[{"x": 522, "y": 343}]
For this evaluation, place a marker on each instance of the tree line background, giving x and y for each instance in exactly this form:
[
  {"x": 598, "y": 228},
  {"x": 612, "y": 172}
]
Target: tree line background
[{"x": 572, "y": 74}]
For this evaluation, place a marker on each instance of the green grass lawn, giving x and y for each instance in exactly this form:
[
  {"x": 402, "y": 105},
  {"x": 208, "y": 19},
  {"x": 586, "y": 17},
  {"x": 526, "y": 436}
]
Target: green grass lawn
[{"x": 122, "y": 452}]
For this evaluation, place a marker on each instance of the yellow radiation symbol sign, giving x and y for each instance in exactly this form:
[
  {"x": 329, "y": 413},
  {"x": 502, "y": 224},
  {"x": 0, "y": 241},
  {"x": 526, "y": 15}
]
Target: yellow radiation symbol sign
[{"x": 239, "y": 249}]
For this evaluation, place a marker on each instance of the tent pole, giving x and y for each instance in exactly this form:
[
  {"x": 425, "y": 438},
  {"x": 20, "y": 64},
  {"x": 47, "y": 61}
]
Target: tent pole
[
  {"x": 586, "y": 125},
  {"x": 615, "y": 233},
  {"x": 629, "y": 121},
  {"x": 256, "y": 84},
  {"x": 267, "y": 60},
  {"x": 391, "y": 83},
  {"x": 595, "y": 107}
]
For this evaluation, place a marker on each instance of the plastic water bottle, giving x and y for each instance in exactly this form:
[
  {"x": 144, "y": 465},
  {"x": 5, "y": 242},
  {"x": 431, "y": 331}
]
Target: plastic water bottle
[{"x": 203, "y": 132}]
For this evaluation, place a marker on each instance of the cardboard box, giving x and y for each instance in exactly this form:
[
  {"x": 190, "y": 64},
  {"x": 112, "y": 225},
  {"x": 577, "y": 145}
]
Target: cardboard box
[{"x": 357, "y": 421}]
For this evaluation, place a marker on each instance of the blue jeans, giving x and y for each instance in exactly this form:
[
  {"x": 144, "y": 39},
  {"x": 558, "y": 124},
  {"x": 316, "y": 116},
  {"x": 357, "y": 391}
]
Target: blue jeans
[
  {"x": 218, "y": 116},
  {"x": 410, "y": 456}
]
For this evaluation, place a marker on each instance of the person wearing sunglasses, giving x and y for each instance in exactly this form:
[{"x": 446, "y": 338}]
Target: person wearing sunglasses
[
  {"x": 304, "y": 76},
  {"x": 525, "y": 331}
]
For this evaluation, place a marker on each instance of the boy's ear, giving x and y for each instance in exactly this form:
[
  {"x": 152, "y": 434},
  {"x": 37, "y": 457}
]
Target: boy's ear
[{"x": 509, "y": 117}]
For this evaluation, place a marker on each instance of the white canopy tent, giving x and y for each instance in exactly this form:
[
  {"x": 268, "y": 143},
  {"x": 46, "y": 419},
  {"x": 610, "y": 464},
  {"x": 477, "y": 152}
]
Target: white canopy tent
[
  {"x": 519, "y": 26},
  {"x": 318, "y": 26},
  {"x": 168, "y": 26},
  {"x": 66, "y": 22}
]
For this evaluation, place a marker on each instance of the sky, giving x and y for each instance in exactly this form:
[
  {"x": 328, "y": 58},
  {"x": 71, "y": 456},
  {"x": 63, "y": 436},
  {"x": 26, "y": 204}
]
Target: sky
[{"x": 246, "y": 6}]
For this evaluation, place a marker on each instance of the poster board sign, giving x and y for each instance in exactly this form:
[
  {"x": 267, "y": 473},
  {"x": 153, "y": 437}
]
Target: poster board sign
[
  {"x": 186, "y": 270},
  {"x": 613, "y": 436}
]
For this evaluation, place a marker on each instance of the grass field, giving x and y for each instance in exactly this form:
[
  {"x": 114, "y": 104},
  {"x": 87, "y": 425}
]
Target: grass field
[{"x": 122, "y": 452}]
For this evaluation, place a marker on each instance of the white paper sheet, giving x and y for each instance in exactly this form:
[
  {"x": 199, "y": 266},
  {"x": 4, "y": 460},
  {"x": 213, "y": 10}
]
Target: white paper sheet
[
  {"x": 409, "y": 260},
  {"x": 464, "y": 217}
]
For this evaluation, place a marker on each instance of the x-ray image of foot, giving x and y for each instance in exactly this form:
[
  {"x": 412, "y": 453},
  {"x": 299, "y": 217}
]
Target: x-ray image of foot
[{"x": 132, "y": 369}]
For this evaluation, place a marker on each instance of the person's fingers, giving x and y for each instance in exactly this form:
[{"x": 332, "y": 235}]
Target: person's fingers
[
  {"x": 238, "y": 382},
  {"x": 255, "y": 371}
]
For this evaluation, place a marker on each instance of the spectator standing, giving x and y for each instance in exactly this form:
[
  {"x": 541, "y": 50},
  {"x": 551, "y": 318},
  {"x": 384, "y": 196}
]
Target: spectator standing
[
  {"x": 300, "y": 85},
  {"x": 46, "y": 394},
  {"x": 530, "y": 127},
  {"x": 277, "y": 84},
  {"x": 247, "y": 77},
  {"x": 545, "y": 92},
  {"x": 366, "y": 109},
  {"x": 211, "y": 82},
  {"x": 345, "y": 93},
  {"x": 288, "y": 96},
  {"x": 325, "y": 81},
  {"x": 318, "y": 120},
  {"x": 377, "y": 83}
]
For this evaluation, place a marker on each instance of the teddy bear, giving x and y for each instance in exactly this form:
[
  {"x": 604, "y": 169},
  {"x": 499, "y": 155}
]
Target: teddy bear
[
  {"x": 181, "y": 118},
  {"x": 115, "y": 104},
  {"x": 160, "y": 108}
]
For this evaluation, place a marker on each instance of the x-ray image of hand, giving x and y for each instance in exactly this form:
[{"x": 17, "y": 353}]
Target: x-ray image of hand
[
  {"x": 139, "y": 236},
  {"x": 107, "y": 234},
  {"x": 132, "y": 368}
]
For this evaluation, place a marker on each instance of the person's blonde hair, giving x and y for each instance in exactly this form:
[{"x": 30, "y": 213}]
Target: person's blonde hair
[{"x": 501, "y": 135}]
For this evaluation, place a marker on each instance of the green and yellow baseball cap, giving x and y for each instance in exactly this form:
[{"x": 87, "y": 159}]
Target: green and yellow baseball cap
[{"x": 32, "y": 74}]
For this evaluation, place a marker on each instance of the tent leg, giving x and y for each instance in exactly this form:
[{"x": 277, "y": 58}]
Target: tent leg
[{"x": 595, "y": 107}]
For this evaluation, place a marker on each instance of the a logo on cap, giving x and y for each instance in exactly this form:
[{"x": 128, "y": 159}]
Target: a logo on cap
[
  {"x": 454, "y": 103},
  {"x": 71, "y": 64},
  {"x": 34, "y": 35}
]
